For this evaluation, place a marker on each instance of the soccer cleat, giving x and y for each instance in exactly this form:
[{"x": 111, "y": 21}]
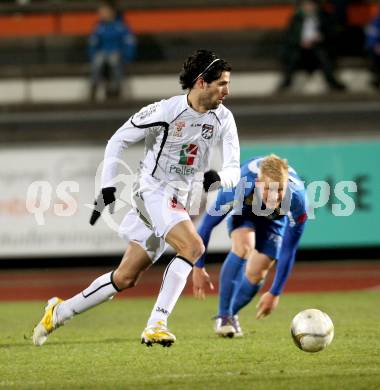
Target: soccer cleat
[
  {"x": 157, "y": 334},
  {"x": 224, "y": 326},
  {"x": 46, "y": 325},
  {"x": 236, "y": 325}
]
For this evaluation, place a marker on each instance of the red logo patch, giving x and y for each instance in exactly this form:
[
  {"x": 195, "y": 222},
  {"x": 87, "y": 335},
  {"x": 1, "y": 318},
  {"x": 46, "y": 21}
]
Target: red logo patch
[
  {"x": 302, "y": 218},
  {"x": 173, "y": 204}
]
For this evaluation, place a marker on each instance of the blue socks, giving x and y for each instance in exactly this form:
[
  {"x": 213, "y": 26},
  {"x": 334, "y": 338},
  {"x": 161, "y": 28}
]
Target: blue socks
[
  {"x": 243, "y": 294},
  {"x": 230, "y": 275}
]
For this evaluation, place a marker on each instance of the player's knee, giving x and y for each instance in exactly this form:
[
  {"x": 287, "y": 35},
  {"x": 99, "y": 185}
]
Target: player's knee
[
  {"x": 242, "y": 249},
  {"x": 124, "y": 281},
  {"x": 195, "y": 249},
  {"x": 130, "y": 282},
  {"x": 255, "y": 275},
  {"x": 192, "y": 248}
]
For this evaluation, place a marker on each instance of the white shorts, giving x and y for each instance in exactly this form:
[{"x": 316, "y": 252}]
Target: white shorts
[{"x": 154, "y": 214}]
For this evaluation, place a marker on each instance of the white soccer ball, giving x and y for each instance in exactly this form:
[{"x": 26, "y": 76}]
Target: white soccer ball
[{"x": 312, "y": 330}]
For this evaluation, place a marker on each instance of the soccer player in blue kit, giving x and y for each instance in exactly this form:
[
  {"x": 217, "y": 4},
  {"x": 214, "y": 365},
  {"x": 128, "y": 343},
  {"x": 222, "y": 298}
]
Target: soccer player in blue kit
[{"x": 267, "y": 212}]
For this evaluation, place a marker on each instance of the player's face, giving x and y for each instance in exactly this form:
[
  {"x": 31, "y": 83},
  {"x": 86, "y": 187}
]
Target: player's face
[
  {"x": 216, "y": 91},
  {"x": 272, "y": 192}
]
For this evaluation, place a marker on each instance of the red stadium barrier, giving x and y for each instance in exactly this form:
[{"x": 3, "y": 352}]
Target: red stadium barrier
[
  {"x": 168, "y": 20},
  {"x": 306, "y": 277}
]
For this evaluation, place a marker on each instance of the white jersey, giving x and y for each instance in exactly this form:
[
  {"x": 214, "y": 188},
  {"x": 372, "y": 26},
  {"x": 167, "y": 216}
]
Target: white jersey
[{"x": 178, "y": 144}]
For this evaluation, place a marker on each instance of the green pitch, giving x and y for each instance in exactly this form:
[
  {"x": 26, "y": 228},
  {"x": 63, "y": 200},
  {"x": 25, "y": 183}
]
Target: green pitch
[{"x": 101, "y": 349}]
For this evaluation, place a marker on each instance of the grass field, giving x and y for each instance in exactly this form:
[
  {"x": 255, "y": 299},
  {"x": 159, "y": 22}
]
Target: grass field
[{"x": 101, "y": 349}]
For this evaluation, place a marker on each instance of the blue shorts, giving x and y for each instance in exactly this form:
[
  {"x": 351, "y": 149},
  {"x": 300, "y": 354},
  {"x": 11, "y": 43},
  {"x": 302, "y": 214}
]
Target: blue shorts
[{"x": 269, "y": 234}]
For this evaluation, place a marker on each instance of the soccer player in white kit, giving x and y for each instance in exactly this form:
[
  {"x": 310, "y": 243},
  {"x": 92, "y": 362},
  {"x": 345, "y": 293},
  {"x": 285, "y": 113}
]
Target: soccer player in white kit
[{"x": 180, "y": 134}]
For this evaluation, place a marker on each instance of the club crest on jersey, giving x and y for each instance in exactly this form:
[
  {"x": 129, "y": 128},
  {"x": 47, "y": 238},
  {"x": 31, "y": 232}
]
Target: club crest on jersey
[
  {"x": 178, "y": 129},
  {"x": 207, "y": 131}
]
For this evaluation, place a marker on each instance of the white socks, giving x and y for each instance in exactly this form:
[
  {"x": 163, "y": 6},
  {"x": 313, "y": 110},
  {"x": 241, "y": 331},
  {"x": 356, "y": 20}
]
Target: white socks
[
  {"x": 173, "y": 283},
  {"x": 103, "y": 288},
  {"x": 100, "y": 290}
]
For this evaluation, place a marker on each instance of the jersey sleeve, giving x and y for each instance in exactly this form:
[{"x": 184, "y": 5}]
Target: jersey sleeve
[
  {"x": 133, "y": 130},
  {"x": 212, "y": 217},
  {"x": 230, "y": 173},
  {"x": 291, "y": 240}
]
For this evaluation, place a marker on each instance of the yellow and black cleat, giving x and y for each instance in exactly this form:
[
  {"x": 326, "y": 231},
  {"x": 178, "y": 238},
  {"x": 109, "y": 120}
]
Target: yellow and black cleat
[
  {"x": 46, "y": 325},
  {"x": 157, "y": 334}
]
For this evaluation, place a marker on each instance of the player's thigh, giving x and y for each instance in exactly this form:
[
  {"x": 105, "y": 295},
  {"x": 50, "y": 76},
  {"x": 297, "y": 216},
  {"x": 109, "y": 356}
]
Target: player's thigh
[
  {"x": 134, "y": 262},
  {"x": 160, "y": 211},
  {"x": 184, "y": 238},
  {"x": 258, "y": 265},
  {"x": 138, "y": 230},
  {"x": 135, "y": 259},
  {"x": 243, "y": 241},
  {"x": 241, "y": 229}
]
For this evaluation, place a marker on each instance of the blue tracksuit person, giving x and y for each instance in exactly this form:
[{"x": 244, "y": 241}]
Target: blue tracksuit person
[
  {"x": 112, "y": 44},
  {"x": 266, "y": 215}
]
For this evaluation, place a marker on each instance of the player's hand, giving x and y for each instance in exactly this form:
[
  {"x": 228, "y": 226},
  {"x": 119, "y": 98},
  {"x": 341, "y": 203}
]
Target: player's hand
[
  {"x": 211, "y": 178},
  {"x": 201, "y": 280},
  {"x": 105, "y": 198},
  {"x": 267, "y": 303}
]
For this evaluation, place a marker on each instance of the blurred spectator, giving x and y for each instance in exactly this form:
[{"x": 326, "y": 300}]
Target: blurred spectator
[
  {"x": 308, "y": 44},
  {"x": 112, "y": 45},
  {"x": 373, "y": 47}
]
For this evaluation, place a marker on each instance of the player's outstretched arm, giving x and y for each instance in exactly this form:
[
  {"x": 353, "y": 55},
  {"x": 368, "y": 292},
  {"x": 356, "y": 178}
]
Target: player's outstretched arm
[
  {"x": 201, "y": 281},
  {"x": 267, "y": 303},
  {"x": 212, "y": 217},
  {"x": 269, "y": 300},
  {"x": 221, "y": 207},
  {"x": 287, "y": 257}
]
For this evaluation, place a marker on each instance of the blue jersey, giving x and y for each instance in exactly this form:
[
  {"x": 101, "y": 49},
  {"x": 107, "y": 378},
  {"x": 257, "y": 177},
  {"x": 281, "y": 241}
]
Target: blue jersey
[{"x": 284, "y": 226}]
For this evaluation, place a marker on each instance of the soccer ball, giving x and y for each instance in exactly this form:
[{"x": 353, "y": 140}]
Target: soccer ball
[{"x": 312, "y": 330}]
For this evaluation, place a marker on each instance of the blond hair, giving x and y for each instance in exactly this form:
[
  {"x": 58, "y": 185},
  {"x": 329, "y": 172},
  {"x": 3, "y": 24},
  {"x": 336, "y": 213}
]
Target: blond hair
[{"x": 274, "y": 168}]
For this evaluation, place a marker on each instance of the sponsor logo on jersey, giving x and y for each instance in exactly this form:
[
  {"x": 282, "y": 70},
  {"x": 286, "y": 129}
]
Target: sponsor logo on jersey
[
  {"x": 147, "y": 111},
  {"x": 181, "y": 170},
  {"x": 207, "y": 131},
  {"x": 188, "y": 154},
  {"x": 178, "y": 128},
  {"x": 186, "y": 160}
]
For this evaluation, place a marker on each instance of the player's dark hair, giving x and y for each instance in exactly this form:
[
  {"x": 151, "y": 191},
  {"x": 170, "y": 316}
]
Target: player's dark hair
[{"x": 203, "y": 63}]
